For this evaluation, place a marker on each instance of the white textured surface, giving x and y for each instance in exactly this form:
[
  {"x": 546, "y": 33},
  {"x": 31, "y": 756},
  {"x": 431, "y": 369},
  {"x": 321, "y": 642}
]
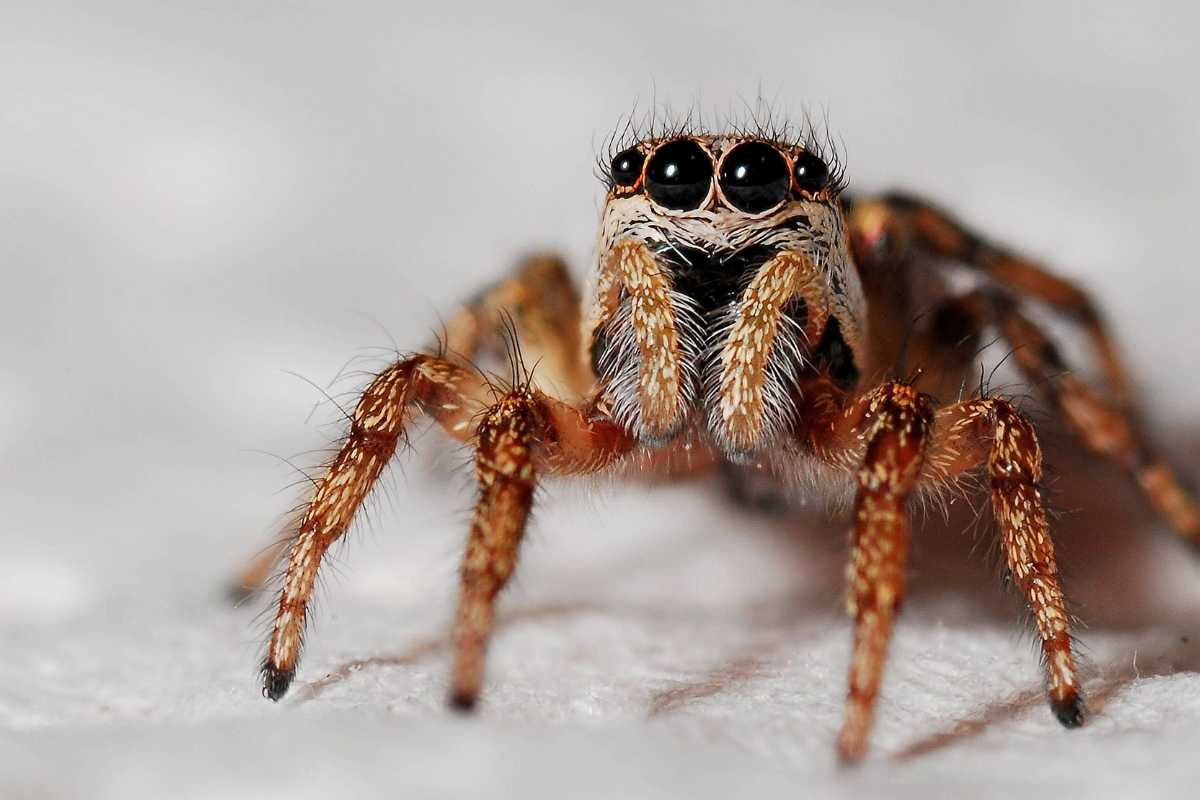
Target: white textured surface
[{"x": 192, "y": 201}]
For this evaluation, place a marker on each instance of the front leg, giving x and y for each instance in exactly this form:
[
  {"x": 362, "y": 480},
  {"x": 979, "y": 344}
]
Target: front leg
[
  {"x": 889, "y": 433},
  {"x": 505, "y": 471},
  {"x": 1108, "y": 430},
  {"x": 895, "y": 426},
  {"x": 539, "y": 305},
  {"x": 559, "y": 437},
  {"x": 989, "y": 430},
  {"x": 451, "y": 394}
]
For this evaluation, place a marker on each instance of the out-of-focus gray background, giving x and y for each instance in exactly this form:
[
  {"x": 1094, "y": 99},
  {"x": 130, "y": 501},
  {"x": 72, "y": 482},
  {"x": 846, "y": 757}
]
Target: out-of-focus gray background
[{"x": 198, "y": 198}]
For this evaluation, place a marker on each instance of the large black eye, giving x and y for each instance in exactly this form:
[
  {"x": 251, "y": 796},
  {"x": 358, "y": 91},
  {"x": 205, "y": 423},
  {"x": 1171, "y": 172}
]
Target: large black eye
[
  {"x": 679, "y": 175},
  {"x": 754, "y": 177},
  {"x": 811, "y": 173},
  {"x": 627, "y": 167}
]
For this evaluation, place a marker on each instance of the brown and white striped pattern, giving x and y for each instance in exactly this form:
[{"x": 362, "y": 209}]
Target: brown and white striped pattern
[
  {"x": 741, "y": 417},
  {"x": 504, "y": 471},
  {"x": 896, "y": 425}
]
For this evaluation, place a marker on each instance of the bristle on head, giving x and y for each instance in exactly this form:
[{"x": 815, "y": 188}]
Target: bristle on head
[{"x": 759, "y": 120}]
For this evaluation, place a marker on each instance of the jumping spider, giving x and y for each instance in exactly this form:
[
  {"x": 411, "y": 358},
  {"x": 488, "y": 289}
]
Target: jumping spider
[{"x": 741, "y": 310}]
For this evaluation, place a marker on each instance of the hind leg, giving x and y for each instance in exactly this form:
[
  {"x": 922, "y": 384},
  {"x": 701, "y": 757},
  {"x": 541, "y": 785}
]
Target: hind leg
[
  {"x": 540, "y": 305},
  {"x": 1103, "y": 427},
  {"x": 895, "y": 443},
  {"x": 1104, "y": 418},
  {"x": 908, "y": 226}
]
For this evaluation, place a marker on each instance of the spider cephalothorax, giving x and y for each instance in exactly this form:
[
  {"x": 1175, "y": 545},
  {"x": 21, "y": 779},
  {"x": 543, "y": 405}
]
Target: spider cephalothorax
[
  {"x": 721, "y": 263},
  {"x": 741, "y": 309}
]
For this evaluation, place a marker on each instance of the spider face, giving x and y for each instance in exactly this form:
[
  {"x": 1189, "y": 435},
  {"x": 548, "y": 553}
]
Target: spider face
[{"x": 722, "y": 279}]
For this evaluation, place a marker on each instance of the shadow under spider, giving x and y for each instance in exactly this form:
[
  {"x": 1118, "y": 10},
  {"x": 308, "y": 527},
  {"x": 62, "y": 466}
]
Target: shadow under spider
[
  {"x": 736, "y": 671},
  {"x": 428, "y": 647}
]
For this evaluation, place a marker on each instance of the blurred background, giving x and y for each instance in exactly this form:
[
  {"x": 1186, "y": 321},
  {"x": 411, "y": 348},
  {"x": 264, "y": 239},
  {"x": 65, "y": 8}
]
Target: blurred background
[{"x": 199, "y": 199}]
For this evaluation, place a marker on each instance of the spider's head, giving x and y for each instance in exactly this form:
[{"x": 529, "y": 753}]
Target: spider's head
[{"x": 722, "y": 278}]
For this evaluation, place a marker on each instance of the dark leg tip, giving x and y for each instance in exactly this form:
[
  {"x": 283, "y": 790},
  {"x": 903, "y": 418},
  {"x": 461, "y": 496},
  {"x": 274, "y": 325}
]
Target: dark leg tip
[
  {"x": 276, "y": 681},
  {"x": 1070, "y": 712},
  {"x": 462, "y": 701}
]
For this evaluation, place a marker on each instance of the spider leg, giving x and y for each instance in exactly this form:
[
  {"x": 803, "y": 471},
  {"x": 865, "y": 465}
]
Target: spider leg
[
  {"x": 990, "y": 430},
  {"x": 376, "y": 426},
  {"x": 896, "y": 422},
  {"x": 1106, "y": 429},
  {"x": 913, "y": 223},
  {"x": 570, "y": 439},
  {"x": 505, "y": 471},
  {"x": 539, "y": 304},
  {"x": 895, "y": 444},
  {"x": 1103, "y": 420}
]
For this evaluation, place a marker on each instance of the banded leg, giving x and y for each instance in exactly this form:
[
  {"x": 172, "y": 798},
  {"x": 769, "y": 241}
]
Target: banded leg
[
  {"x": 1104, "y": 428},
  {"x": 541, "y": 302},
  {"x": 910, "y": 223},
  {"x": 896, "y": 422},
  {"x": 376, "y": 426},
  {"x": 571, "y": 440},
  {"x": 1106, "y": 424},
  {"x": 962, "y": 437},
  {"x": 504, "y": 469},
  {"x": 989, "y": 430}
]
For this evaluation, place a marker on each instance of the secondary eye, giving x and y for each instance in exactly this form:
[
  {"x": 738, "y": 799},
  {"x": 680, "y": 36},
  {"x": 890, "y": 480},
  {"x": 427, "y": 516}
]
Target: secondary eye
[
  {"x": 754, "y": 177},
  {"x": 627, "y": 167},
  {"x": 811, "y": 173},
  {"x": 679, "y": 175}
]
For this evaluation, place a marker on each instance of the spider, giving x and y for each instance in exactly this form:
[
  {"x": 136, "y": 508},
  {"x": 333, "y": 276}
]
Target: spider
[{"x": 744, "y": 312}]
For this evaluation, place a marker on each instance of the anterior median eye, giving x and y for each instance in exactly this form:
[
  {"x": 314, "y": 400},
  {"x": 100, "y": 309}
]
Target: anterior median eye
[
  {"x": 679, "y": 175},
  {"x": 754, "y": 177},
  {"x": 627, "y": 167},
  {"x": 811, "y": 172}
]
